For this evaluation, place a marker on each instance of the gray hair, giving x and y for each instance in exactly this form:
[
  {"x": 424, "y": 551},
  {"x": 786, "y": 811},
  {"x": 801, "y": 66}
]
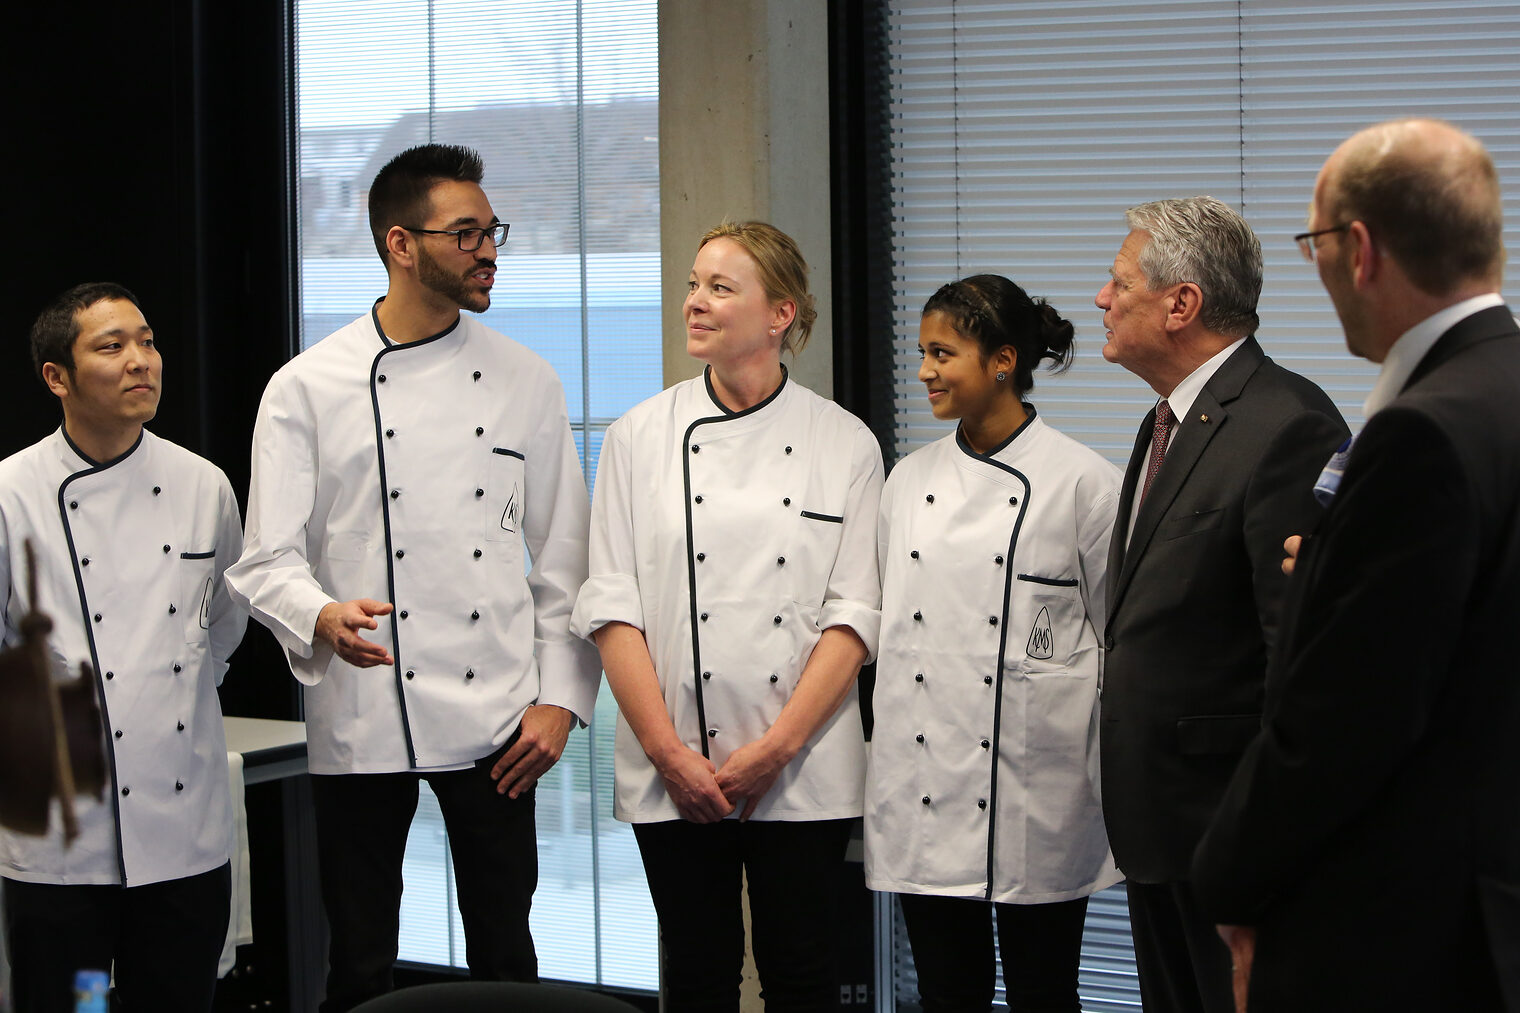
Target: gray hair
[{"x": 1204, "y": 241}]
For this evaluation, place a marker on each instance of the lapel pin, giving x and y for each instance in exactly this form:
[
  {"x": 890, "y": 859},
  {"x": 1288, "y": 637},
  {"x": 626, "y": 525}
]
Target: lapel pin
[{"x": 1203, "y": 418}]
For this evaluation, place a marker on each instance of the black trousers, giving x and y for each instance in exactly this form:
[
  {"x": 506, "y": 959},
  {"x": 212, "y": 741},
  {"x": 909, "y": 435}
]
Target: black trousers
[
  {"x": 1041, "y": 946},
  {"x": 794, "y": 871},
  {"x": 1184, "y": 966},
  {"x": 165, "y": 940},
  {"x": 362, "y": 823}
]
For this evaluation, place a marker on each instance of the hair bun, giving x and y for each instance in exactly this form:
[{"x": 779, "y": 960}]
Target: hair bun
[{"x": 1056, "y": 333}]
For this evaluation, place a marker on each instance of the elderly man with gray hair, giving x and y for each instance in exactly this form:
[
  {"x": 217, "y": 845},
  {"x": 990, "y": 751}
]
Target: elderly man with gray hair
[{"x": 1221, "y": 473}]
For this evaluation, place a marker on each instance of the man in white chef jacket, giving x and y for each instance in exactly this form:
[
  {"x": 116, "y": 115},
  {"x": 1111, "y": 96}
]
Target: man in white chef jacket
[
  {"x": 132, "y": 535},
  {"x": 400, "y": 466}
]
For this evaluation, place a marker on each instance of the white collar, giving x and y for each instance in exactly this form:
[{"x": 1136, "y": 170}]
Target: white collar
[
  {"x": 1185, "y": 393},
  {"x": 1413, "y": 344}
]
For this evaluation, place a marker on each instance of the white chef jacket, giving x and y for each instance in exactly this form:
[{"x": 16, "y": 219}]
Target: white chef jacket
[
  {"x": 414, "y": 474},
  {"x": 130, "y": 556},
  {"x": 983, "y": 769},
  {"x": 732, "y": 540}
]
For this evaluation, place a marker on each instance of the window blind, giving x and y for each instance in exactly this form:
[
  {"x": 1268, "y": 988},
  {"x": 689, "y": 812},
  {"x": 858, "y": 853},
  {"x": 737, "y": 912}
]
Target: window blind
[{"x": 1020, "y": 132}]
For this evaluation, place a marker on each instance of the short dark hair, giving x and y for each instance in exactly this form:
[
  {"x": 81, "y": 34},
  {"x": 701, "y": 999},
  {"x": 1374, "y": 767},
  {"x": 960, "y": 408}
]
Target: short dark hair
[
  {"x": 400, "y": 191},
  {"x": 1438, "y": 212},
  {"x": 994, "y": 311},
  {"x": 57, "y": 326}
]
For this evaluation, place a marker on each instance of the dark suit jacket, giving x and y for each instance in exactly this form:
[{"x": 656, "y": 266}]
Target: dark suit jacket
[
  {"x": 1193, "y": 602},
  {"x": 1372, "y": 832}
]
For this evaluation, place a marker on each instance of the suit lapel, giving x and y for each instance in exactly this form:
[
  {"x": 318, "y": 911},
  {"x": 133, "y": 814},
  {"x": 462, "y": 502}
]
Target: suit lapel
[{"x": 1191, "y": 439}]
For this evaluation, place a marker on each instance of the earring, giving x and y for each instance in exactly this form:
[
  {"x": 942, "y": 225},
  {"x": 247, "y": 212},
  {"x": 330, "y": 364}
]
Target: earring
[
  {"x": 773, "y": 330},
  {"x": 1001, "y": 376}
]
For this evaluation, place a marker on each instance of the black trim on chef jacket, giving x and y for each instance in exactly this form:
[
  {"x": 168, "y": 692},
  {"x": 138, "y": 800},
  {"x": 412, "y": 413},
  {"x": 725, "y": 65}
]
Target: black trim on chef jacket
[
  {"x": 997, "y": 705},
  {"x": 89, "y": 630},
  {"x": 1048, "y": 581},
  {"x": 385, "y": 507},
  {"x": 691, "y": 559}
]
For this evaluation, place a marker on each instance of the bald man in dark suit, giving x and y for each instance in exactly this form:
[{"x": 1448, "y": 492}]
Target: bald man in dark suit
[{"x": 1370, "y": 840}]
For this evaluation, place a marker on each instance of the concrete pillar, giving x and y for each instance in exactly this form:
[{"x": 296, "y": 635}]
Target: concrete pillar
[{"x": 744, "y": 134}]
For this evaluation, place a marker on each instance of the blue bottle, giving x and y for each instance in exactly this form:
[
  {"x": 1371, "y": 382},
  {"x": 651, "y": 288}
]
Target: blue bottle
[{"x": 90, "y": 990}]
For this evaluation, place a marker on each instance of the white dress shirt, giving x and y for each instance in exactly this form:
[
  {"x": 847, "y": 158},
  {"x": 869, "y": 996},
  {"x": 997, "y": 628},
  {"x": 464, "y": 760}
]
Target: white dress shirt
[{"x": 1405, "y": 353}]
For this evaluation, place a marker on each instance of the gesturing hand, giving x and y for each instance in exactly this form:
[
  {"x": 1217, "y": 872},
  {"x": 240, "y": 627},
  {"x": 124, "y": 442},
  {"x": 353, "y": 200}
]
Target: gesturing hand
[{"x": 339, "y": 624}]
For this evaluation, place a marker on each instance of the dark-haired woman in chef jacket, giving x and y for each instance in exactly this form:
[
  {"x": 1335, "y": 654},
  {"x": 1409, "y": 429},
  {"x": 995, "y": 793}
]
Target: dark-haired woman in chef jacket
[
  {"x": 733, "y": 594},
  {"x": 982, "y": 790}
]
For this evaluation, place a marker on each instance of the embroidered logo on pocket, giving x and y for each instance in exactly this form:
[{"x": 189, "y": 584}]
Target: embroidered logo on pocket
[
  {"x": 206, "y": 605},
  {"x": 1041, "y": 640},
  {"x": 509, "y": 515}
]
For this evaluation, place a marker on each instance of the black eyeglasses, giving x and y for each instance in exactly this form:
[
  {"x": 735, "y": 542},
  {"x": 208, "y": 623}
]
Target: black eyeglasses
[
  {"x": 1305, "y": 240},
  {"x": 469, "y": 239}
]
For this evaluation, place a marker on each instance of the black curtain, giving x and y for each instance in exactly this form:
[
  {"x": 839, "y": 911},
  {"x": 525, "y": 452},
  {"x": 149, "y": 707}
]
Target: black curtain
[
  {"x": 150, "y": 144},
  {"x": 861, "y": 193},
  {"x": 861, "y": 183}
]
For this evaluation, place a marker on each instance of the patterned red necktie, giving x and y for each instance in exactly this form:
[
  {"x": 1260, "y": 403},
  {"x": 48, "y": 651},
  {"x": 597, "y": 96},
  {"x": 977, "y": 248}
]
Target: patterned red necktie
[{"x": 1160, "y": 433}]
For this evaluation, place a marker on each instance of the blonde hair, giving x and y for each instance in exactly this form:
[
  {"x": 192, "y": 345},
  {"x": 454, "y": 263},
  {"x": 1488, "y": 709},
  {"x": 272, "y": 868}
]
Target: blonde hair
[{"x": 783, "y": 272}]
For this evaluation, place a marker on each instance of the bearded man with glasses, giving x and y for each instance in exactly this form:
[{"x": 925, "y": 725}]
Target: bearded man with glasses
[{"x": 401, "y": 468}]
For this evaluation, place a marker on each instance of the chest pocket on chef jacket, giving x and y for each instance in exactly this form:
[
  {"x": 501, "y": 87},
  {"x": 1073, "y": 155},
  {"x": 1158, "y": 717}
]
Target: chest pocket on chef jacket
[
  {"x": 1060, "y": 691},
  {"x": 197, "y": 571},
  {"x": 506, "y": 493},
  {"x": 818, "y": 537},
  {"x": 1051, "y": 622}
]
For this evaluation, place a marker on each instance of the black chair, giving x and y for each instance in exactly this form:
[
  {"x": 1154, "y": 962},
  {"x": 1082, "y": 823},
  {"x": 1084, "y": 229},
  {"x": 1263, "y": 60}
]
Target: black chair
[{"x": 493, "y": 997}]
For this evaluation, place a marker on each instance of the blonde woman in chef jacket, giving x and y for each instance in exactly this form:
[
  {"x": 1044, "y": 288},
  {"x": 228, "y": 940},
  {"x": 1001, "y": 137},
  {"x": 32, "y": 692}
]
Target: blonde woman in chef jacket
[
  {"x": 982, "y": 792},
  {"x": 733, "y": 594}
]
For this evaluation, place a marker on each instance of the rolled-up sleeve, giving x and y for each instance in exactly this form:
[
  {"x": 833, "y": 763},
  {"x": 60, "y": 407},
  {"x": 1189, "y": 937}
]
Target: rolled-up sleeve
[
  {"x": 853, "y": 594},
  {"x": 611, "y": 591}
]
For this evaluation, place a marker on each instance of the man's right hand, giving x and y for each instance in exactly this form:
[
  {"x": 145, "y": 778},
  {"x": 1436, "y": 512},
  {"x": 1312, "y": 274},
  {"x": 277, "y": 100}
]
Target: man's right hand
[
  {"x": 339, "y": 624},
  {"x": 1290, "y": 546},
  {"x": 692, "y": 784}
]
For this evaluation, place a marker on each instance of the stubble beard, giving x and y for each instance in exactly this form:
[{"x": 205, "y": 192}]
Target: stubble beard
[{"x": 457, "y": 288}]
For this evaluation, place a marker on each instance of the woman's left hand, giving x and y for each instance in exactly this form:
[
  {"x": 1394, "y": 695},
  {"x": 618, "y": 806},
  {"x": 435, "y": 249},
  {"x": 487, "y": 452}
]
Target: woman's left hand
[{"x": 750, "y": 771}]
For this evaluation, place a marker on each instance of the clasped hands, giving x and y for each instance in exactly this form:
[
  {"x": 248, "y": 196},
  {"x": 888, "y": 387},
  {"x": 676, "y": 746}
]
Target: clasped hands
[{"x": 703, "y": 793}]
